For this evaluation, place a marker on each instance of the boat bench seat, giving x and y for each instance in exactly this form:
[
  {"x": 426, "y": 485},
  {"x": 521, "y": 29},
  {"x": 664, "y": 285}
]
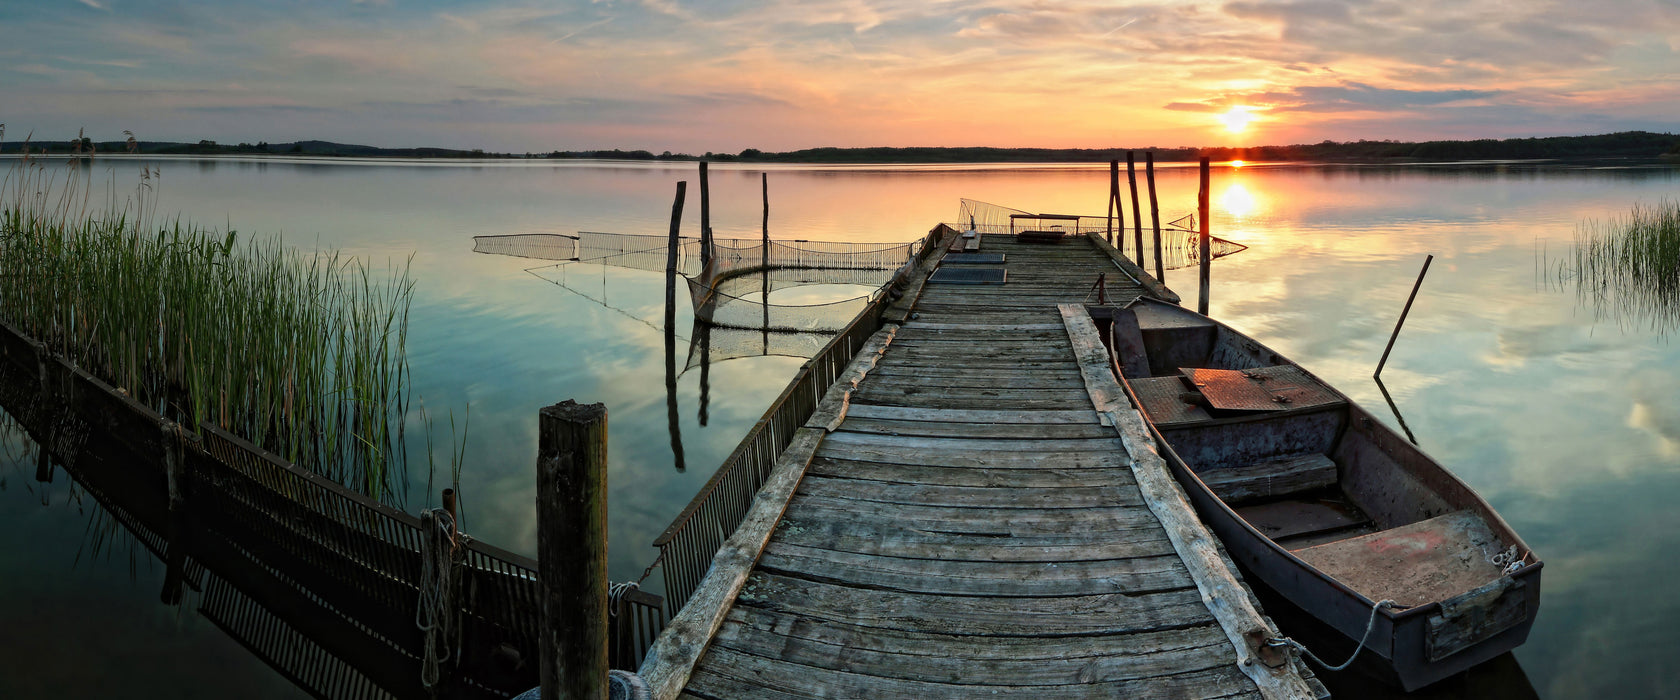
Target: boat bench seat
[
  {"x": 1414, "y": 564},
  {"x": 1271, "y": 479}
]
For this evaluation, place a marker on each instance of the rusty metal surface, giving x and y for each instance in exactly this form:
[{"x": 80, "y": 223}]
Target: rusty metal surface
[
  {"x": 1260, "y": 389},
  {"x": 1164, "y": 401}
]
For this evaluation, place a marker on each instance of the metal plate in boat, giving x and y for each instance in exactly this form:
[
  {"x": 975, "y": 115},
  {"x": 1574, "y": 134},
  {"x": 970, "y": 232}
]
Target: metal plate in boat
[{"x": 1260, "y": 389}]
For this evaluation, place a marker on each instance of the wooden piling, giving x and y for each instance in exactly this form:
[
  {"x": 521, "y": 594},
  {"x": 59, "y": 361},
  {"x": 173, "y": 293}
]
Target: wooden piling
[
  {"x": 1113, "y": 193},
  {"x": 449, "y": 507},
  {"x": 1137, "y": 217},
  {"x": 705, "y": 220},
  {"x": 673, "y": 244},
  {"x": 1202, "y": 243},
  {"x": 1154, "y": 215},
  {"x": 1114, "y": 203},
  {"x": 572, "y": 549},
  {"x": 1403, "y": 312}
]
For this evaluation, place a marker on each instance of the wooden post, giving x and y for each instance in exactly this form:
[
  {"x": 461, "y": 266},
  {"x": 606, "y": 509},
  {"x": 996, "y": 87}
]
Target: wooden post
[
  {"x": 1403, "y": 312},
  {"x": 572, "y": 549},
  {"x": 1113, "y": 187},
  {"x": 1154, "y": 215},
  {"x": 1137, "y": 217},
  {"x": 1202, "y": 242},
  {"x": 671, "y": 327},
  {"x": 175, "y": 555},
  {"x": 764, "y": 261},
  {"x": 448, "y": 501},
  {"x": 705, "y": 222}
]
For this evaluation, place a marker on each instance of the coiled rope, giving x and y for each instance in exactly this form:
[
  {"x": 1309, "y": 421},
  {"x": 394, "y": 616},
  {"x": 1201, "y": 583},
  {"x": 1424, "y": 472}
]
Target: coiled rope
[
  {"x": 438, "y": 616},
  {"x": 1369, "y": 626}
]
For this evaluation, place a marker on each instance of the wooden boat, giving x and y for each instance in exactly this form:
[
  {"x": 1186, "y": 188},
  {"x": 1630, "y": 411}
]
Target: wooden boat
[{"x": 1325, "y": 505}]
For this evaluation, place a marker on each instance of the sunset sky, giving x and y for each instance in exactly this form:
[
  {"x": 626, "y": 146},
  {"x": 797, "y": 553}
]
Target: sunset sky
[{"x": 723, "y": 76}]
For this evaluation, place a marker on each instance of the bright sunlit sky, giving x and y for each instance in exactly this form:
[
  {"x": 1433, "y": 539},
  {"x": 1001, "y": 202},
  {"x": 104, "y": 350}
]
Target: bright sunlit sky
[{"x": 728, "y": 75}]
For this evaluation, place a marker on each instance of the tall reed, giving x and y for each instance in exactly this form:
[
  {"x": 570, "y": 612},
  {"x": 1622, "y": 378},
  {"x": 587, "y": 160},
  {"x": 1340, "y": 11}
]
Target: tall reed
[
  {"x": 300, "y": 352},
  {"x": 1628, "y": 268}
]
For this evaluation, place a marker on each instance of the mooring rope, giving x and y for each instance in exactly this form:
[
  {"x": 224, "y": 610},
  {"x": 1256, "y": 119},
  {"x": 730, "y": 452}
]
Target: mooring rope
[
  {"x": 438, "y": 615},
  {"x": 1369, "y": 627}
]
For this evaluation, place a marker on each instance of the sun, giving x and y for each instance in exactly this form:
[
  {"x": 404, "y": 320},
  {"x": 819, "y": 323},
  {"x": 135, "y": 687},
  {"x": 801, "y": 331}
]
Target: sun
[{"x": 1236, "y": 119}]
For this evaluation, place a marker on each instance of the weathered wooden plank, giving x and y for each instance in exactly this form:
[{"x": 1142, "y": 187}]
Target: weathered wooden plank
[
  {"x": 887, "y": 454},
  {"x": 1035, "y": 328},
  {"x": 977, "y": 430},
  {"x": 1022, "y": 521},
  {"x": 1116, "y": 613},
  {"x": 976, "y": 647},
  {"x": 966, "y": 397},
  {"x": 982, "y": 578},
  {"x": 1271, "y": 479},
  {"x": 969, "y": 476},
  {"x": 1231, "y": 604},
  {"x": 969, "y": 496},
  {"x": 951, "y": 659},
  {"x": 973, "y": 415},
  {"x": 898, "y": 540},
  {"x": 800, "y": 680},
  {"x": 978, "y": 380},
  {"x": 930, "y": 444}
]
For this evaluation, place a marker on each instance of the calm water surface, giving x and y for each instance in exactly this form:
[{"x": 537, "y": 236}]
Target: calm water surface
[{"x": 1568, "y": 423}]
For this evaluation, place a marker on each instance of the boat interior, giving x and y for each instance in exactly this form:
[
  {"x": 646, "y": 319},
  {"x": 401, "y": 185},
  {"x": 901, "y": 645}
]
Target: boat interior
[{"x": 1305, "y": 467}]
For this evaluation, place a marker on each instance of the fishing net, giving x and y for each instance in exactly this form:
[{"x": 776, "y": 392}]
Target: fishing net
[{"x": 713, "y": 344}]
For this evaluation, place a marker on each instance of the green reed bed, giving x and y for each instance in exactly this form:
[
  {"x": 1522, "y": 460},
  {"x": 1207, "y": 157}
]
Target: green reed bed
[
  {"x": 299, "y": 352},
  {"x": 1628, "y": 268}
]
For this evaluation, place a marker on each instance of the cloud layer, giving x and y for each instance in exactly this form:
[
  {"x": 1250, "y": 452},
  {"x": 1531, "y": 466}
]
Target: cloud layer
[{"x": 771, "y": 74}]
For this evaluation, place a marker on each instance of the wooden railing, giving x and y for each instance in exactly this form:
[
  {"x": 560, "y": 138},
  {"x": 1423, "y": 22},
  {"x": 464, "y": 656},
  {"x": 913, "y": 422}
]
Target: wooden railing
[
  {"x": 687, "y": 546},
  {"x": 350, "y": 552}
]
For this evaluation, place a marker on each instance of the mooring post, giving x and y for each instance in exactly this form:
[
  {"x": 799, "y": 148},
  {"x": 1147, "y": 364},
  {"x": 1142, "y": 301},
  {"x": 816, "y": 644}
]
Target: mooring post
[
  {"x": 1403, "y": 312},
  {"x": 764, "y": 260},
  {"x": 705, "y": 222},
  {"x": 671, "y": 325},
  {"x": 572, "y": 549},
  {"x": 1137, "y": 217},
  {"x": 1113, "y": 191},
  {"x": 1202, "y": 242},
  {"x": 1154, "y": 215},
  {"x": 448, "y": 501}
]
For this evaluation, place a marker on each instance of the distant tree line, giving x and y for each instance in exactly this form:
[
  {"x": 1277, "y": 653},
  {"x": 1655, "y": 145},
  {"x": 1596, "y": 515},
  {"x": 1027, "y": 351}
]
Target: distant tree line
[{"x": 1635, "y": 144}]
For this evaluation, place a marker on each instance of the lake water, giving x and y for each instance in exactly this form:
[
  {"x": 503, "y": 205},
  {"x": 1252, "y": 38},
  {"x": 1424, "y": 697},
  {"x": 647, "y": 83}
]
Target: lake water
[{"x": 1567, "y": 422}]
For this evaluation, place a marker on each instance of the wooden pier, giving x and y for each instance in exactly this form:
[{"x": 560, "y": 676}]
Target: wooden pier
[{"x": 974, "y": 510}]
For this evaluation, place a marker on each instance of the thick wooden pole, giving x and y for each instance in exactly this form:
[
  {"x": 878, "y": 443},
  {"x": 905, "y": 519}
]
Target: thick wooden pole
[
  {"x": 1137, "y": 217},
  {"x": 705, "y": 221},
  {"x": 674, "y": 243},
  {"x": 1202, "y": 242},
  {"x": 1113, "y": 187},
  {"x": 764, "y": 260},
  {"x": 572, "y": 549},
  {"x": 1154, "y": 215},
  {"x": 1403, "y": 312}
]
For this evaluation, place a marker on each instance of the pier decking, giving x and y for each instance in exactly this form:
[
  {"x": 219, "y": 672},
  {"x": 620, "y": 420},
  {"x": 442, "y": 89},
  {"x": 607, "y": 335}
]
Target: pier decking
[{"x": 968, "y": 521}]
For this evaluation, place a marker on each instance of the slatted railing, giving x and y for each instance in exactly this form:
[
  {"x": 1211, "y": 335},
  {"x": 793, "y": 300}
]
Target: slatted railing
[
  {"x": 325, "y": 538},
  {"x": 687, "y": 546}
]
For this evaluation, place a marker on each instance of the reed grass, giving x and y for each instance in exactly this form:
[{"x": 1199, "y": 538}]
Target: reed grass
[
  {"x": 300, "y": 352},
  {"x": 1628, "y": 268}
]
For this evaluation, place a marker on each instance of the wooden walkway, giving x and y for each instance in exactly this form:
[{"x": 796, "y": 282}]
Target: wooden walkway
[{"x": 969, "y": 527}]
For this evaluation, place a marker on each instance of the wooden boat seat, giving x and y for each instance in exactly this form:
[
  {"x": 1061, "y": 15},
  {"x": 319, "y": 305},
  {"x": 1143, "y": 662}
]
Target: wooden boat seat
[
  {"x": 1271, "y": 479},
  {"x": 1414, "y": 564},
  {"x": 1303, "y": 517},
  {"x": 1173, "y": 338}
]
